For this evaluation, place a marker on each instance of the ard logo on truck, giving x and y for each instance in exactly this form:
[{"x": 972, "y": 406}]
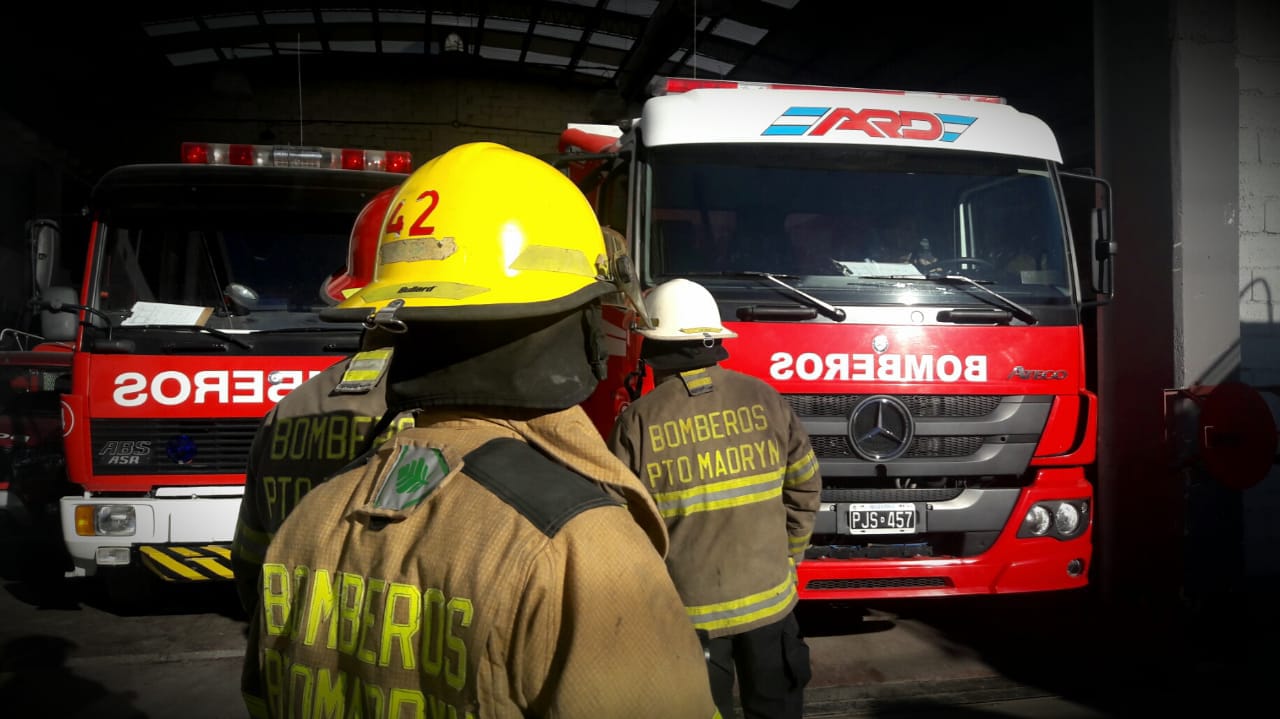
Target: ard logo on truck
[{"x": 873, "y": 122}]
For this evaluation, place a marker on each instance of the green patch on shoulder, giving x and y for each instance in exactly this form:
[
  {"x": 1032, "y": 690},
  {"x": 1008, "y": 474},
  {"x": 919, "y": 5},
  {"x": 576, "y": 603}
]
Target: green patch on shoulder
[{"x": 413, "y": 475}]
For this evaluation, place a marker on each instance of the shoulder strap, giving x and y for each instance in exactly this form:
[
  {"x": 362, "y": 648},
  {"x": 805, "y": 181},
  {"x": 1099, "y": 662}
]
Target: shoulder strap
[
  {"x": 364, "y": 371},
  {"x": 371, "y": 439},
  {"x": 546, "y": 493},
  {"x": 697, "y": 381}
]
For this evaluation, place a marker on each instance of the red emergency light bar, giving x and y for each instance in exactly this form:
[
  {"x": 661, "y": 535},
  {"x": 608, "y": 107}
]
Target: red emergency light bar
[
  {"x": 675, "y": 85},
  {"x": 218, "y": 153}
]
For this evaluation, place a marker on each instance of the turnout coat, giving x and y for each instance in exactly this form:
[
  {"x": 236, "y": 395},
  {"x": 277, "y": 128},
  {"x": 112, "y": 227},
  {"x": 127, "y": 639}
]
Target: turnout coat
[{"x": 476, "y": 566}]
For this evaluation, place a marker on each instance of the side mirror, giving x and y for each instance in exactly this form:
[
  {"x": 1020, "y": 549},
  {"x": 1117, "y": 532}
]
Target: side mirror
[
  {"x": 1104, "y": 250},
  {"x": 59, "y": 325},
  {"x": 44, "y": 238},
  {"x": 241, "y": 299},
  {"x": 1101, "y": 250}
]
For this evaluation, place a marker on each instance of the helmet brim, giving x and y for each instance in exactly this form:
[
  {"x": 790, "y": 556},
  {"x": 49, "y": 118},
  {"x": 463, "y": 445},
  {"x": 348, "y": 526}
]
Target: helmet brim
[{"x": 472, "y": 312}]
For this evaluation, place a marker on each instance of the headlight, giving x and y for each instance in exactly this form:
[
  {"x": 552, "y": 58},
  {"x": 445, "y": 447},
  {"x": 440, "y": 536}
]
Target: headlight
[
  {"x": 1058, "y": 519},
  {"x": 113, "y": 520},
  {"x": 1066, "y": 519},
  {"x": 1036, "y": 522}
]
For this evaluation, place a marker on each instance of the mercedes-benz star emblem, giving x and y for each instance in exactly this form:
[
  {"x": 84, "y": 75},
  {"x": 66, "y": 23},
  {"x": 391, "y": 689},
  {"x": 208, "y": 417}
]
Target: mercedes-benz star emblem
[{"x": 880, "y": 428}]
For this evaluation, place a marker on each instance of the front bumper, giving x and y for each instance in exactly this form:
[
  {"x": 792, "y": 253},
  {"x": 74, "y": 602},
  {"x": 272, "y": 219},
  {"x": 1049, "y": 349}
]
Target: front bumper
[
  {"x": 1009, "y": 565},
  {"x": 179, "y": 538}
]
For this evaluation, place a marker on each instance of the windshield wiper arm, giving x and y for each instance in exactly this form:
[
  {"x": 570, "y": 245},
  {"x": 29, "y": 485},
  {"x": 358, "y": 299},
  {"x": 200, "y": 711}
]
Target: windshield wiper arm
[
  {"x": 342, "y": 326},
  {"x": 198, "y": 328},
  {"x": 1018, "y": 310},
  {"x": 832, "y": 312}
]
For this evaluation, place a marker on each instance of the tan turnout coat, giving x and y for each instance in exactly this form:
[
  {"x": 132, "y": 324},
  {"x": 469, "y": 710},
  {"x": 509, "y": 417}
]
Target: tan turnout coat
[
  {"x": 737, "y": 482},
  {"x": 523, "y": 576}
]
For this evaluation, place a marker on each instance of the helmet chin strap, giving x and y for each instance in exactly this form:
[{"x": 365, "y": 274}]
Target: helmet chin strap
[
  {"x": 668, "y": 356},
  {"x": 597, "y": 355},
  {"x": 635, "y": 379},
  {"x": 386, "y": 320}
]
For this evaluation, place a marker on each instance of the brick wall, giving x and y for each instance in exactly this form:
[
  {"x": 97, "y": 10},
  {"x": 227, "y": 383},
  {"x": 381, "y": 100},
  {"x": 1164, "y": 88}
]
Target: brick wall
[{"x": 1258, "y": 64}]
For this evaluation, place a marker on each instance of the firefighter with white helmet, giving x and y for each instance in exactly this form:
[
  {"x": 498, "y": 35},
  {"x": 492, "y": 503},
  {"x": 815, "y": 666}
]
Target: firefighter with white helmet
[
  {"x": 733, "y": 474},
  {"x": 683, "y": 311},
  {"x": 495, "y": 559}
]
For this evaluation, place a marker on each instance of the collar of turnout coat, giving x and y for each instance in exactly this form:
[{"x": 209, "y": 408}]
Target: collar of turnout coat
[
  {"x": 666, "y": 356},
  {"x": 543, "y": 363},
  {"x": 568, "y": 437}
]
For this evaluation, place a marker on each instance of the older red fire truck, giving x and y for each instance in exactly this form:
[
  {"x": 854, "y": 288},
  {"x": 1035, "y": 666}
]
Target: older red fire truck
[
  {"x": 903, "y": 267},
  {"x": 198, "y": 311}
]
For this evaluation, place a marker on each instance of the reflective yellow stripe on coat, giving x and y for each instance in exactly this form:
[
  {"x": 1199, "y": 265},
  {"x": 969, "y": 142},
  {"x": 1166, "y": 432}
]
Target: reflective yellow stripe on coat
[{"x": 751, "y": 489}]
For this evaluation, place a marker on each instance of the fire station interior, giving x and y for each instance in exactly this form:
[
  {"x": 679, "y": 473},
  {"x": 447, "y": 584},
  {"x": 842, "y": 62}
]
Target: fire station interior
[{"x": 1174, "y": 104}]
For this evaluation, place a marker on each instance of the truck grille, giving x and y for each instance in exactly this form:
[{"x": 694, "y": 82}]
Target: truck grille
[
  {"x": 949, "y": 430},
  {"x": 921, "y": 405},
  {"x": 171, "y": 446},
  {"x": 827, "y": 445},
  {"x": 961, "y": 472}
]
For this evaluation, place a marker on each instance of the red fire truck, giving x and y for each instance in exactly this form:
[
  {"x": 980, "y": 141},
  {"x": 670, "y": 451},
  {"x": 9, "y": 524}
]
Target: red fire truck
[
  {"x": 197, "y": 312},
  {"x": 906, "y": 269}
]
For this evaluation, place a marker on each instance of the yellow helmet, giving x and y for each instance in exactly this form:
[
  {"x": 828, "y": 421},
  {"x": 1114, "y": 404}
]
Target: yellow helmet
[{"x": 483, "y": 232}]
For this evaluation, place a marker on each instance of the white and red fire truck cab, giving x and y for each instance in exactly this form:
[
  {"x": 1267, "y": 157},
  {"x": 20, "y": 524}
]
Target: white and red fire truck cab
[{"x": 902, "y": 267}]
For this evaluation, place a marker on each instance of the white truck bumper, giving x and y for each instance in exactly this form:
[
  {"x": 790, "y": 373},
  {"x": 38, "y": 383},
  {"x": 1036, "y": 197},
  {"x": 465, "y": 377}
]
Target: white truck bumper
[{"x": 183, "y": 534}]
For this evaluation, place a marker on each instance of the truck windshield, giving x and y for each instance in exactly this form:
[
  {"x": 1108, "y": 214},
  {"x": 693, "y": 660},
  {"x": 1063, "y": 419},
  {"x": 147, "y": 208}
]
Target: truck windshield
[
  {"x": 251, "y": 269},
  {"x": 858, "y": 225}
]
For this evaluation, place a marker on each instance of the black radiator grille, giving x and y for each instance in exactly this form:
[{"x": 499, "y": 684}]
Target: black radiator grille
[
  {"x": 890, "y": 494},
  {"x": 141, "y": 446},
  {"x": 922, "y": 405},
  {"x": 831, "y": 445}
]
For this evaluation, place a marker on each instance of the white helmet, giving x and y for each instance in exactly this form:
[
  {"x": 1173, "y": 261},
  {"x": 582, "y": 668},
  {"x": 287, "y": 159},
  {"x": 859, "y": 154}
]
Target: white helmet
[{"x": 681, "y": 311}]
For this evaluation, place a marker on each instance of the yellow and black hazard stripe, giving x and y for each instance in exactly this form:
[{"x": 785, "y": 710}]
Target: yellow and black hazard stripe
[{"x": 188, "y": 563}]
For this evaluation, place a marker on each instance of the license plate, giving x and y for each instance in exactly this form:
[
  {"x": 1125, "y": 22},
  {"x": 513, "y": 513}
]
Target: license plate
[{"x": 882, "y": 518}]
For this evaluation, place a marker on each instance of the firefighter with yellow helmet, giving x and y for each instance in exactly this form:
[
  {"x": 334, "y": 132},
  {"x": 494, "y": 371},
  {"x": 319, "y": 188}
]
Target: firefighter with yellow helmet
[
  {"x": 734, "y": 476},
  {"x": 494, "y": 560}
]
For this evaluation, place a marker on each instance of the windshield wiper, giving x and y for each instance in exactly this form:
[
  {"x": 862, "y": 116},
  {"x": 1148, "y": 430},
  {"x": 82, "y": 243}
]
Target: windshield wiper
[
  {"x": 197, "y": 329},
  {"x": 345, "y": 326},
  {"x": 1018, "y": 310},
  {"x": 831, "y": 312}
]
